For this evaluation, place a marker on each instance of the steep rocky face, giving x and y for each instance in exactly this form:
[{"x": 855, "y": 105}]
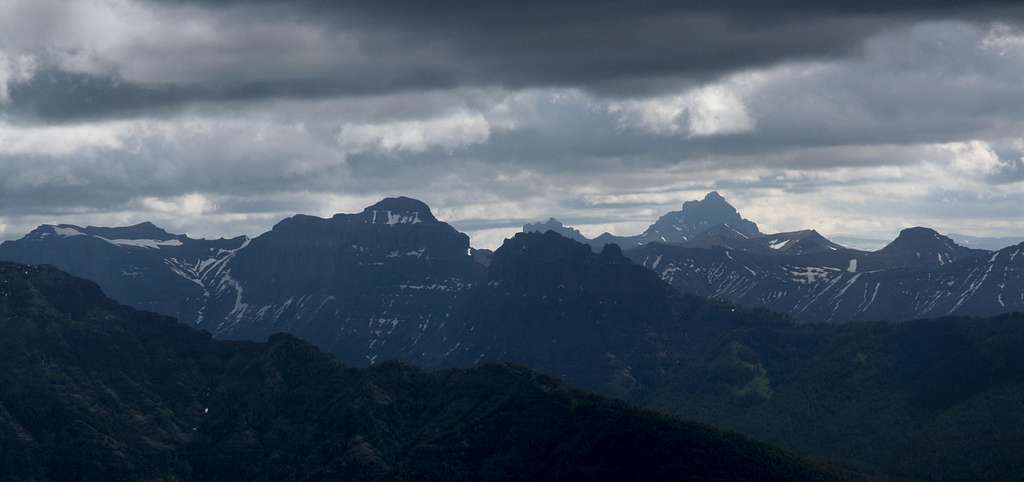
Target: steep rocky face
[
  {"x": 368, "y": 285},
  {"x": 94, "y": 391}
]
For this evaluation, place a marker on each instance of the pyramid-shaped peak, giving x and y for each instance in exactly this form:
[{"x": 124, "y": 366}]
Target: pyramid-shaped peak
[
  {"x": 697, "y": 217},
  {"x": 713, "y": 196},
  {"x": 712, "y": 200}
]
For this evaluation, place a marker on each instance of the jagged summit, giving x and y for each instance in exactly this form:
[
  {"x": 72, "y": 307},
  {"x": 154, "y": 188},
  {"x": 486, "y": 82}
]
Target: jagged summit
[
  {"x": 541, "y": 246},
  {"x": 695, "y": 217},
  {"x": 714, "y": 196},
  {"x": 555, "y": 225},
  {"x": 550, "y": 223}
]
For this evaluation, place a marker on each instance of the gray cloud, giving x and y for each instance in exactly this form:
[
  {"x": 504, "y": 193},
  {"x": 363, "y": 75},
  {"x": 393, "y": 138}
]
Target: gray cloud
[
  {"x": 159, "y": 55},
  {"x": 850, "y": 117}
]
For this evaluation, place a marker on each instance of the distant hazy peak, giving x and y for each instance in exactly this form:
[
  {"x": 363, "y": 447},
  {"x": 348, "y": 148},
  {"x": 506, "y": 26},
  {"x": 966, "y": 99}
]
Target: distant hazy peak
[
  {"x": 712, "y": 206},
  {"x": 713, "y": 196},
  {"x": 929, "y": 246},
  {"x": 919, "y": 237},
  {"x": 555, "y": 225},
  {"x": 695, "y": 217}
]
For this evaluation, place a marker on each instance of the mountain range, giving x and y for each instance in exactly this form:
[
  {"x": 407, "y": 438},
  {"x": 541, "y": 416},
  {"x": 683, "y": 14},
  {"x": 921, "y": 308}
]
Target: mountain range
[
  {"x": 394, "y": 283},
  {"x": 908, "y": 401},
  {"x": 396, "y": 269},
  {"x": 920, "y": 274}
]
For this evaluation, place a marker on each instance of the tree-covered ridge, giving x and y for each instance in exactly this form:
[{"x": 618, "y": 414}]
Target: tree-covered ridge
[{"x": 924, "y": 400}]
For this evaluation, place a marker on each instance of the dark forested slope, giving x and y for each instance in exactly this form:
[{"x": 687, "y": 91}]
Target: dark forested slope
[{"x": 91, "y": 390}]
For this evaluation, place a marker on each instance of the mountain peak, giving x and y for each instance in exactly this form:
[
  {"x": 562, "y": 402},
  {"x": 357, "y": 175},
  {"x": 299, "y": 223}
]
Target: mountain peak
[
  {"x": 713, "y": 201},
  {"x": 919, "y": 235},
  {"x": 920, "y": 239},
  {"x": 697, "y": 217},
  {"x": 927, "y": 245},
  {"x": 547, "y": 245},
  {"x": 555, "y": 225},
  {"x": 399, "y": 210},
  {"x": 550, "y": 223},
  {"x": 713, "y": 196}
]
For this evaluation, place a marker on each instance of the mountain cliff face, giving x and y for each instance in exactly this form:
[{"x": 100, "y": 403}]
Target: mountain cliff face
[
  {"x": 370, "y": 285},
  {"x": 367, "y": 286},
  {"x": 93, "y": 391}
]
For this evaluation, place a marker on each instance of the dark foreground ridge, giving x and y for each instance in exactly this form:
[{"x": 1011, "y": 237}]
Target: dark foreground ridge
[{"x": 91, "y": 390}]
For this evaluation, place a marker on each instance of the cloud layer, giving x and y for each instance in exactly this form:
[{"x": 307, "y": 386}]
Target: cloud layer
[{"x": 219, "y": 118}]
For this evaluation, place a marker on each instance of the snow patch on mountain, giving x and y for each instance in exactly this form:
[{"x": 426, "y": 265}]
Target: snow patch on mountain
[
  {"x": 391, "y": 218},
  {"x": 66, "y": 232},
  {"x": 143, "y": 243}
]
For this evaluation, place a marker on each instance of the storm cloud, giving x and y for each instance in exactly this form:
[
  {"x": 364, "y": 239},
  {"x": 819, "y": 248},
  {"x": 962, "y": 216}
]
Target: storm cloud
[
  {"x": 219, "y": 118},
  {"x": 112, "y": 58}
]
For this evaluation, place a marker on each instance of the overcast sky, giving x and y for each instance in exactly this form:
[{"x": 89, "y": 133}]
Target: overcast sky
[{"x": 222, "y": 117}]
